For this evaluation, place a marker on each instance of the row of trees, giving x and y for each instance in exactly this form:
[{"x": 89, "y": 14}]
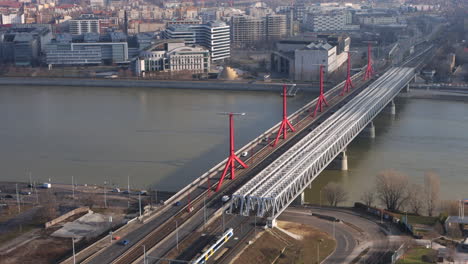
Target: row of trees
[{"x": 394, "y": 191}]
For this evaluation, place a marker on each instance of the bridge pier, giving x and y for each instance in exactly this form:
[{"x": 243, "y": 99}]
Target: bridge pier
[
  {"x": 271, "y": 222},
  {"x": 299, "y": 200},
  {"x": 368, "y": 131},
  {"x": 340, "y": 162},
  {"x": 391, "y": 108}
]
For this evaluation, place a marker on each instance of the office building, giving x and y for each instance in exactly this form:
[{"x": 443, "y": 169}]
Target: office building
[
  {"x": 248, "y": 30},
  {"x": 214, "y": 35},
  {"x": 173, "y": 56},
  {"x": 22, "y": 44},
  {"x": 300, "y": 59},
  {"x": 88, "y": 49},
  {"x": 11, "y": 18},
  {"x": 85, "y": 24},
  {"x": 329, "y": 21}
]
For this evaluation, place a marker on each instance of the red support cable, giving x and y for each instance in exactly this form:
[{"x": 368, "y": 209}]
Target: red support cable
[
  {"x": 369, "y": 70},
  {"x": 285, "y": 124},
  {"x": 231, "y": 163},
  {"x": 348, "y": 84},
  {"x": 321, "y": 99}
]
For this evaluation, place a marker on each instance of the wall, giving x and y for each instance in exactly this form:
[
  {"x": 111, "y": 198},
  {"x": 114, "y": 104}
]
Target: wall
[{"x": 65, "y": 216}]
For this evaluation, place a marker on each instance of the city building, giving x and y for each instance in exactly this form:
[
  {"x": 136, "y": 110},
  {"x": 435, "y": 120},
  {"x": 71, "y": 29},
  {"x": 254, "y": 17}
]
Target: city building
[
  {"x": 247, "y": 30},
  {"x": 85, "y": 24},
  {"x": 11, "y": 18},
  {"x": 86, "y": 50},
  {"x": 98, "y": 3},
  {"x": 329, "y": 21},
  {"x": 22, "y": 44},
  {"x": 300, "y": 59},
  {"x": 214, "y": 35},
  {"x": 172, "y": 56}
]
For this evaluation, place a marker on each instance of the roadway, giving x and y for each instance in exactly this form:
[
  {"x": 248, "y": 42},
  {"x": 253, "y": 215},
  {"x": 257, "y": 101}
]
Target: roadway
[{"x": 354, "y": 233}]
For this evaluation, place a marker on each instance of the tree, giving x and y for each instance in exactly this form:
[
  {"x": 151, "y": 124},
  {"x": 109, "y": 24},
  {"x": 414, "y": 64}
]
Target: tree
[
  {"x": 334, "y": 193},
  {"x": 368, "y": 198},
  {"x": 415, "y": 202},
  {"x": 391, "y": 188},
  {"x": 431, "y": 191},
  {"x": 49, "y": 209}
]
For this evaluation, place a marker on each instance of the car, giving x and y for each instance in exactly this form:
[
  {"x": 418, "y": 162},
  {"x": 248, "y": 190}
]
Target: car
[
  {"x": 244, "y": 154},
  {"x": 115, "y": 238},
  {"x": 8, "y": 196},
  {"x": 116, "y": 190},
  {"x": 225, "y": 198},
  {"x": 25, "y": 193},
  {"x": 124, "y": 242},
  {"x": 143, "y": 192},
  {"x": 126, "y": 192},
  {"x": 177, "y": 203}
]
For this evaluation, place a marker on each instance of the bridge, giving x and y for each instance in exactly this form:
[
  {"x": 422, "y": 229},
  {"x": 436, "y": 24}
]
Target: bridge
[
  {"x": 275, "y": 188},
  {"x": 275, "y": 177}
]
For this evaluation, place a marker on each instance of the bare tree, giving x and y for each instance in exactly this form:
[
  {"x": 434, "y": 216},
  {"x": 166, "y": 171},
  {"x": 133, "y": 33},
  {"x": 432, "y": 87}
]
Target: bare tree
[
  {"x": 49, "y": 202},
  {"x": 415, "y": 201},
  {"x": 449, "y": 207},
  {"x": 334, "y": 193},
  {"x": 368, "y": 197},
  {"x": 431, "y": 191},
  {"x": 391, "y": 188}
]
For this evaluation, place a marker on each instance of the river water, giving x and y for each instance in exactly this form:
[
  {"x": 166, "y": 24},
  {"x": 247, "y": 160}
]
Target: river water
[{"x": 165, "y": 138}]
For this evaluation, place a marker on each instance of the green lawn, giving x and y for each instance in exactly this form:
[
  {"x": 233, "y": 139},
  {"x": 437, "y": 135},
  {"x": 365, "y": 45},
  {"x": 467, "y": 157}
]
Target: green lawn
[{"x": 414, "y": 256}]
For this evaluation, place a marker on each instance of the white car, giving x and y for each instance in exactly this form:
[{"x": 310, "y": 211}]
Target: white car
[
  {"x": 244, "y": 154},
  {"x": 225, "y": 198}
]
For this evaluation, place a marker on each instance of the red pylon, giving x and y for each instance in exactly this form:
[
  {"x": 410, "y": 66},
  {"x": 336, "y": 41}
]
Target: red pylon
[
  {"x": 369, "y": 70},
  {"x": 231, "y": 163},
  {"x": 321, "y": 99},
  {"x": 283, "y": 129},
  {"x": 348, "y": 84}
]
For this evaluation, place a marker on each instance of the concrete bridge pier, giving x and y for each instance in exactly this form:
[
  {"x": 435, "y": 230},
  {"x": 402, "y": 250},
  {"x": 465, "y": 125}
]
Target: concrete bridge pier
[
  {"x": 391, "y": 108},
  {"x": 271, "y": 222},
  {"x": 340, "y": 162},
  {"x": 299, "y": 200},
  {"x": 368, "y": 131}
]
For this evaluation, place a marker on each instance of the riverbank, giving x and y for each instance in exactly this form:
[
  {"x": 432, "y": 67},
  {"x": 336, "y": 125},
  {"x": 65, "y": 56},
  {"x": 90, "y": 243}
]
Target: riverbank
[
  {"x": 128, "y": 83},
  {"x": 447, "y": 95}
]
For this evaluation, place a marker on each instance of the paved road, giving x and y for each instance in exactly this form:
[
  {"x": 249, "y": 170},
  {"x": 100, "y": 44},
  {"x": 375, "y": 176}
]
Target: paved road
[{"x": 354, "y": 234}]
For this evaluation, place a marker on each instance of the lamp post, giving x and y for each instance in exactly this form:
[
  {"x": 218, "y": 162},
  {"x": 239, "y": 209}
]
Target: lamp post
[
  {"x": 318, "y": 250},
  {"x": 73, "y": 247}
]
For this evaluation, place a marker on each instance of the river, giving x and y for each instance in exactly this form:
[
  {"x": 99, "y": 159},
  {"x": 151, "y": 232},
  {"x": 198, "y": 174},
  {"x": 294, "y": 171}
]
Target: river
[{"x": 165, "y": 138}]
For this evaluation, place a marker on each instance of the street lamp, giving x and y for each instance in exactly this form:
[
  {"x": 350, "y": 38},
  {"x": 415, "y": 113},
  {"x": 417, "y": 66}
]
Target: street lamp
[{"x": 318, "y": 250}]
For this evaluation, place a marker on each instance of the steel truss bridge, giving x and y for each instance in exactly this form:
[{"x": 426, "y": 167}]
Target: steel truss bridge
[{"x": 268, "y": 193}]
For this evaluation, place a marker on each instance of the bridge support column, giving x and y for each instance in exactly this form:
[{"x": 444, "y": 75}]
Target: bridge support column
[
  {"x": 391, "y": 108},
  {"x": 340, "y": 162},
  {"x": 299, "y": 200},
  {"x": 271, "y": 222},
  {"x": 369, "y": 131}
]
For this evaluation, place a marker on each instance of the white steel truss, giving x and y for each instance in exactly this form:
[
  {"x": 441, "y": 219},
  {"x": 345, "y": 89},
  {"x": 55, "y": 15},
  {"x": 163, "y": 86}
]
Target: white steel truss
[{"x": 273, "y": 189}]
